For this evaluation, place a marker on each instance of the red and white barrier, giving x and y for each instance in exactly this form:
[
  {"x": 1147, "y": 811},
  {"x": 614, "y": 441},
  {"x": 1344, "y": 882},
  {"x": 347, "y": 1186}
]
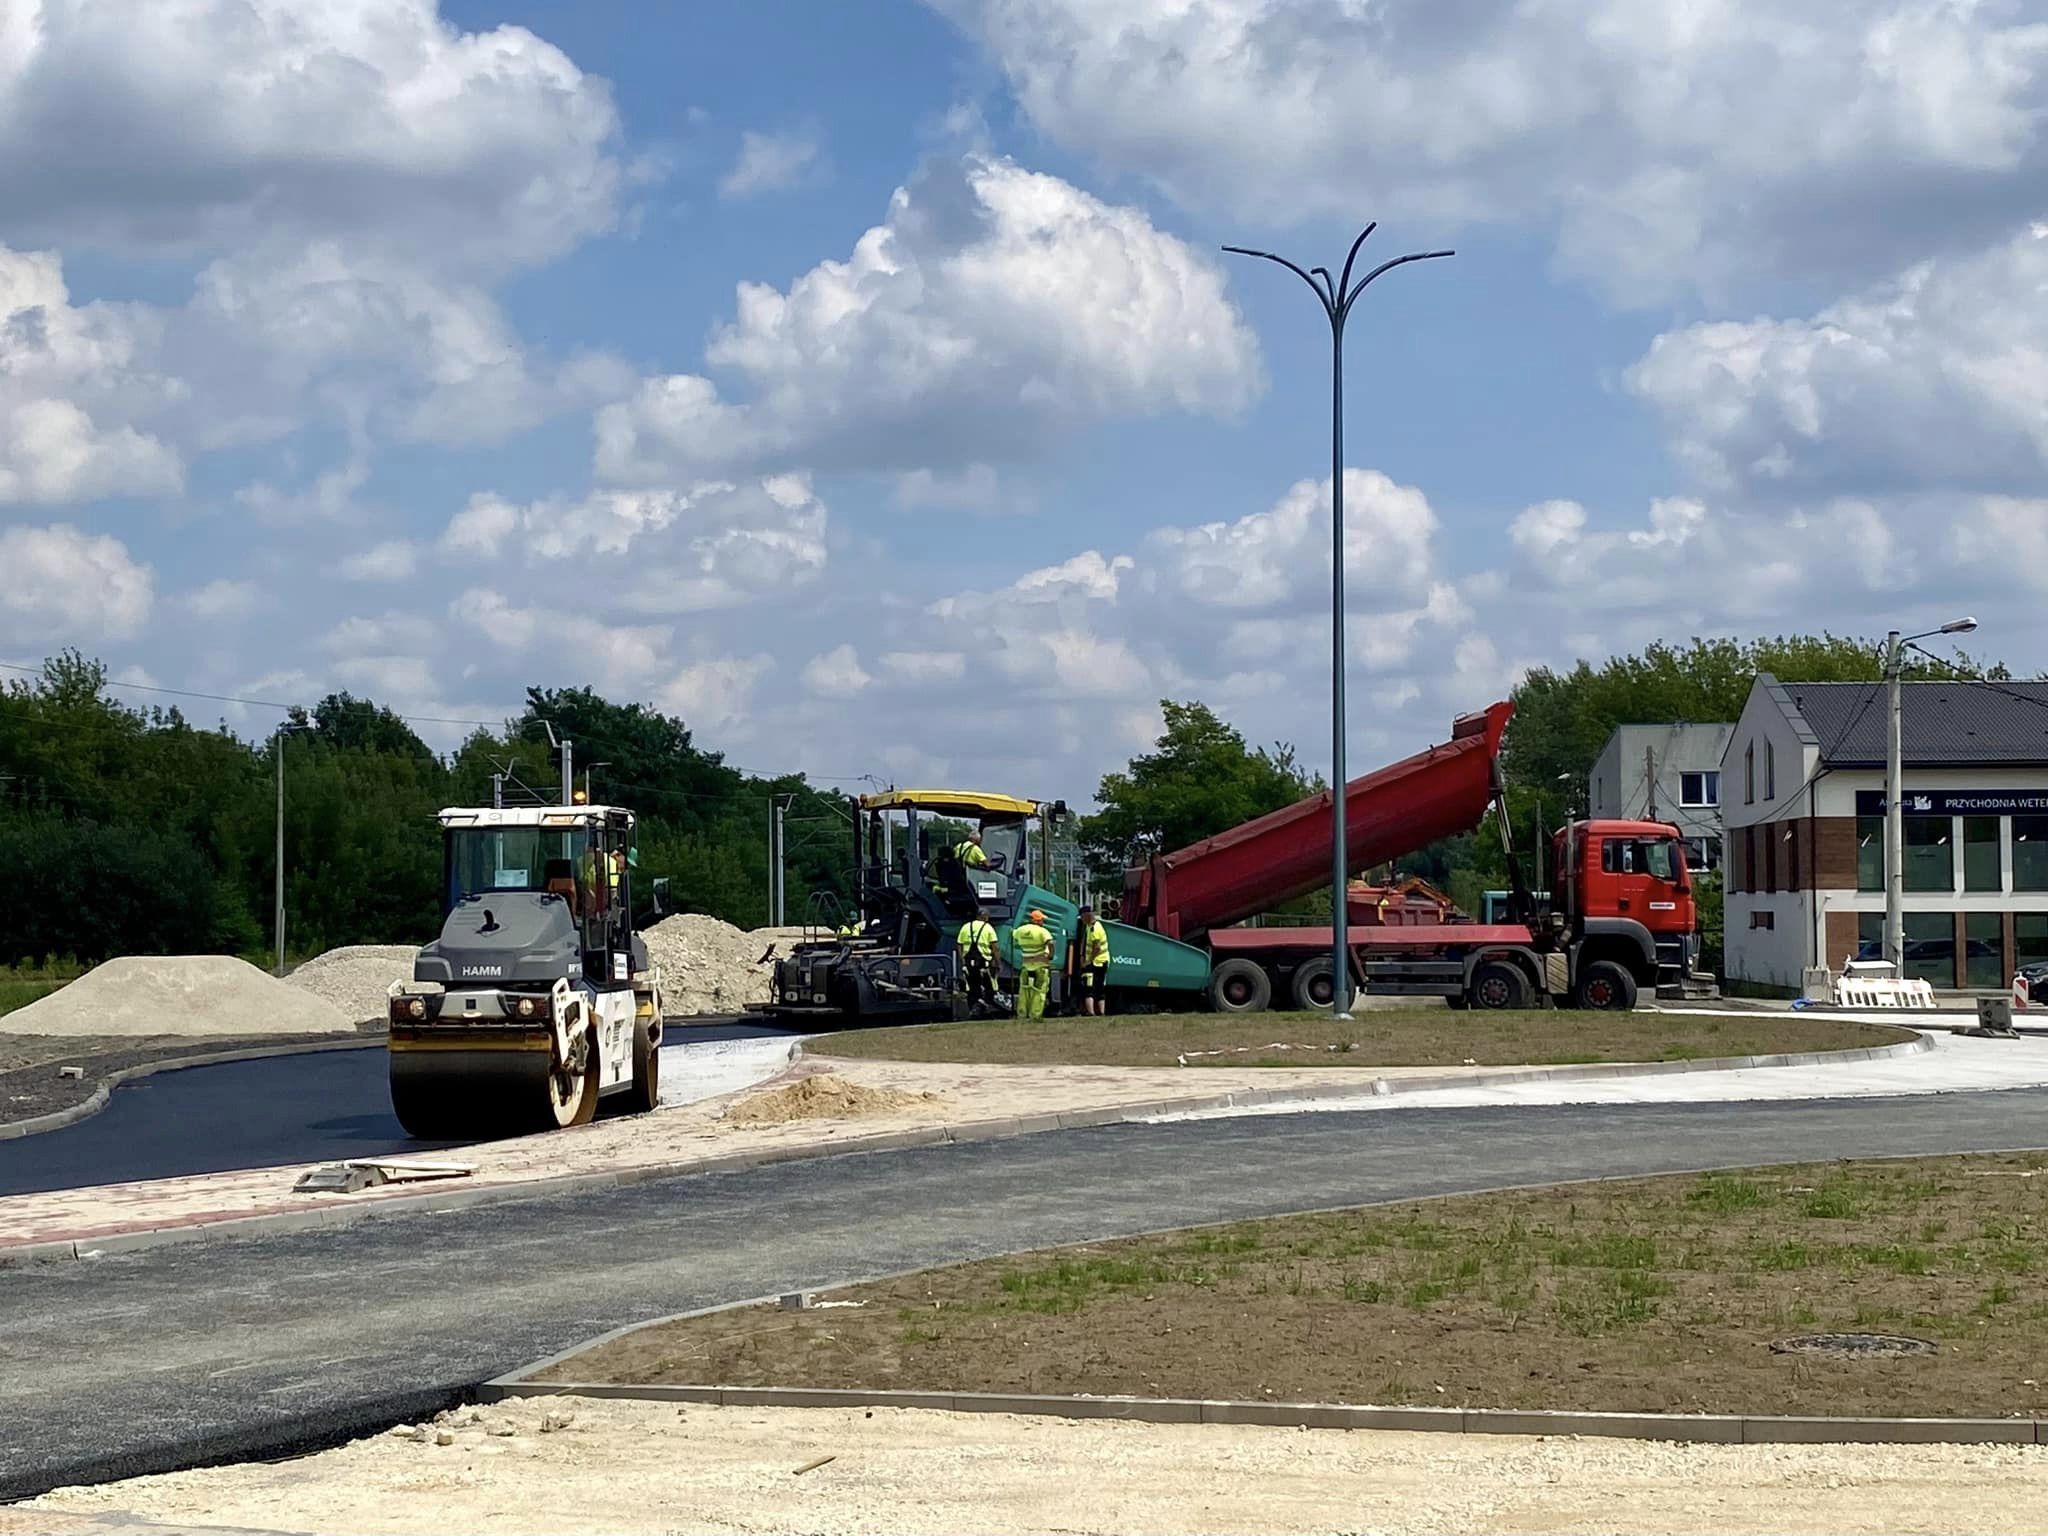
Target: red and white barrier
[{"x": 2019, "y": 994}]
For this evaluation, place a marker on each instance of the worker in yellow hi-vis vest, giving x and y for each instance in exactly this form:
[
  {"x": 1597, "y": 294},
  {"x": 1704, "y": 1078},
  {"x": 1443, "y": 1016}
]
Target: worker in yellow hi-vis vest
[
  {"x": 1034, "y": 965},
  {"x": 1088, "y": 962},
  {"x": 977, "y": 945}
]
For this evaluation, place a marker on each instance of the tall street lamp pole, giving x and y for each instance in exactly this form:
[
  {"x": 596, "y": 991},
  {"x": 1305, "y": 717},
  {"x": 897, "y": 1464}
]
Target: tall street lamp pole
[
  {"x": 1337, "y": 298},
  {"x": 284, "y": 729},
  {"x": 1894, "y": 789}
]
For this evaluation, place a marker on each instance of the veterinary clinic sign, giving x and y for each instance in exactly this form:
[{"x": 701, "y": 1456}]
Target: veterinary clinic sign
[{"x": 1959, "y": 802}]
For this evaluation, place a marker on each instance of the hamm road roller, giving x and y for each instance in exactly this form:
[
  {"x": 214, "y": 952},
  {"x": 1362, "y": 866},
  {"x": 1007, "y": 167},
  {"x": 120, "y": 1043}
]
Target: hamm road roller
[{"x": 537, "y": 999}]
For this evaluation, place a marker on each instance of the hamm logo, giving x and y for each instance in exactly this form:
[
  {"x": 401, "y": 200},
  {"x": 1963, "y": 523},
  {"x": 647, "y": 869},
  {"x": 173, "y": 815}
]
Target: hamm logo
[{"x": 483, "y": 970}]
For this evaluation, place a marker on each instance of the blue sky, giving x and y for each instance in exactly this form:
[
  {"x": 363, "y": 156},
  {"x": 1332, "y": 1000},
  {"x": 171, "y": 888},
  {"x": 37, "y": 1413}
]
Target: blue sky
[{"x": 865, "y": 383}]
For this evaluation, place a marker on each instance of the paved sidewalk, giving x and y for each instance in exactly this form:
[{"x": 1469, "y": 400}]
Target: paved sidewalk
[{"x": 1955, "y": 1064}]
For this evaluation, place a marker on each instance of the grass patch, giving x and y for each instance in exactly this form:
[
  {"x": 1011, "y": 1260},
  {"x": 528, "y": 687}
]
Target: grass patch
[
  {"x": 1651, "y": 1295},
  {"x": 1403, "y": 1037}
]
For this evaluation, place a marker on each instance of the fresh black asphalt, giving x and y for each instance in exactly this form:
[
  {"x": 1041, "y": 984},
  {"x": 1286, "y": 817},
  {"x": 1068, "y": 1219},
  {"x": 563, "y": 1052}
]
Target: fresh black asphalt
[
  {"x": 320, "y": 1107},
  {"x": 158, "y": 1358}
]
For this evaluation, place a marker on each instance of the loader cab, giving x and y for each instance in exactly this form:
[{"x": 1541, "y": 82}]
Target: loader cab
[{"x": 579, "y": 856}]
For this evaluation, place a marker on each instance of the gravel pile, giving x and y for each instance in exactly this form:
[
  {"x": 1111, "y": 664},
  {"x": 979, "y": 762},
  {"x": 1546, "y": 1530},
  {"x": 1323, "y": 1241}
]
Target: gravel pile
[
  {"x": 825, "y": 1097},
  {"x": 357, "y": 977},
  {"x": 178, "y": 995},
  {"x": 709, "y": 966}
]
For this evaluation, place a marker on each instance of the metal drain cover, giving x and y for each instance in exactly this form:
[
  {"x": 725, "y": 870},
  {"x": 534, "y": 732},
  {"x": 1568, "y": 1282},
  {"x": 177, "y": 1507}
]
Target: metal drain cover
[{"x": 1854, "y": 1346}]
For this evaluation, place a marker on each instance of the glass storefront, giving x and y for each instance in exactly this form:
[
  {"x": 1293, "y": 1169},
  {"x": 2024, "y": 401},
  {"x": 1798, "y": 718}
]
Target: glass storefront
[
  {"x": 1870, "y": 853},
  {"x": 1982, "y": 867},
  {"x": 2030, "y": 853},
  {"x": 1984, "y": 950},
  {"x": 1930, "y": 859}
]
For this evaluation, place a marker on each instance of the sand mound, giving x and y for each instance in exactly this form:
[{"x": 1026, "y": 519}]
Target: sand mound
[
  {"x": 178, "y": 995},
  {"x": 357, "y": 977},
  {"x": 709, "y": 966},
  {"x": 826, "y": 1097}
]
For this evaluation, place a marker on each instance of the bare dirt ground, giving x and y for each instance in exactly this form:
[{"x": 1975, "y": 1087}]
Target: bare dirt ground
[
  {"x": 1653, "y": 1295},
  {"x": 652, "y": 1469},
  {"x": 1419, "y": 1037},
  {"x": 30, "y": 1086}
]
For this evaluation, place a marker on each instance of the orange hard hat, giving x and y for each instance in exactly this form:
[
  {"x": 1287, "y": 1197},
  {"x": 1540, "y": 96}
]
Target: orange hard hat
[{"x": 1037, "y": 916}]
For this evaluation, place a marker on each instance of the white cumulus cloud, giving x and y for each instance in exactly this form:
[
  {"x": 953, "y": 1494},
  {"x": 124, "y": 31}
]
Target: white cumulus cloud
[
  {"x": 1663, "y": 142},
  {"x": 994, "y": 307},
  {"x": 65, "y": 586}
]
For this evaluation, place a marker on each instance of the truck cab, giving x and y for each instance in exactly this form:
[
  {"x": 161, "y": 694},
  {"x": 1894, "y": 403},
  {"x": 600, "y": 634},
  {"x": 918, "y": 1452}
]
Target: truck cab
[{"x": 1627, "y": 895}]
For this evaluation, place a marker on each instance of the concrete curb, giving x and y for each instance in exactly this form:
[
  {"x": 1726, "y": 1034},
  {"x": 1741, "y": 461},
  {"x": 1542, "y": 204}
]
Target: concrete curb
[
  {"x": 1710, "y": 1428},
  {"x": 96, "y": 1101},
  {"x": 1721, "y": 1429},
  {"x": 311, "y": 1216}
]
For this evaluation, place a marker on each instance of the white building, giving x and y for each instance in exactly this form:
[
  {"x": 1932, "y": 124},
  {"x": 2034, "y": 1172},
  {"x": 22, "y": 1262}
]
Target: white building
[
  {"x": 1664, "y": 773},
  {"x": 1802, "y": 799}
]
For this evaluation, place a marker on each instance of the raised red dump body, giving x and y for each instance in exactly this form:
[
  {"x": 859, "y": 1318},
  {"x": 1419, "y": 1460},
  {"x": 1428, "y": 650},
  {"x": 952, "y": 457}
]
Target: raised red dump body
[{"x": 1250, "y": 869}]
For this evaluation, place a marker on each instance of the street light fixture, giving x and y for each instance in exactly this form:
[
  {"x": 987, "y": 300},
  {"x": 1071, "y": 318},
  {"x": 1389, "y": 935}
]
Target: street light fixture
[
  {"x": 285, "y": 728},
  {"x": 1894, "y": 789},
  {"x": 1337, "y": 298}
]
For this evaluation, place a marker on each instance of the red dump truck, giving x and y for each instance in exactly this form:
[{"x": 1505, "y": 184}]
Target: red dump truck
[{"x": 1622, "y": 918}]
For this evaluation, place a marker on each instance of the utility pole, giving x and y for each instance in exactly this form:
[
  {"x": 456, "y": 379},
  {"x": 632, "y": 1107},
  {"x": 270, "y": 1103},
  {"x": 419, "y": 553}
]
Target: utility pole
[
  {"x": 1650, "y": 778},
  {"x": 1337, "y": 298},
  {"x": 497, "y": 791},
  {"x": 1894, "y": 812},
  {"x": 1895, "y": 788},
  {"x": 776, "y": 807},
  {"x": 284, "y": 728}
]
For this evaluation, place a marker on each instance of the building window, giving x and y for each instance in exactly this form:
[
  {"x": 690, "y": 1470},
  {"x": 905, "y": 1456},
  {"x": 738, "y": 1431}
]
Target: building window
[
  {"x": 1930, "y": 856},
  {"x": 1703, "y": 853},
  {"x": 1981, "y": 868},
  {"x": 1930, "y": 944},
  {"x": 1869, "y": 853},
  {"x": 2029, "y": 939},
  {"x": 1931, "y": 948},
  {"x": 1770, "y": 770},
  {"x": 1749, "y": 774},
  {"x": 1699, "y": 789},
  {"x": 1763, "y": 920},
  {"x": 1984, "y": 950},
  {"x": 2030, "y": 853}
]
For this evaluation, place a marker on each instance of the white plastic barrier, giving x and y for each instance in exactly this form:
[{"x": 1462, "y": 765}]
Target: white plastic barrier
[
  {"x": 2019, "y": 994},
  {"x": 1882, "y": 992}
]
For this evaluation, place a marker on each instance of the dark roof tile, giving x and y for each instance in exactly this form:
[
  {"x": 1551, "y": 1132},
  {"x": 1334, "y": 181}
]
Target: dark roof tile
[{"x": 1945, "y": 724}]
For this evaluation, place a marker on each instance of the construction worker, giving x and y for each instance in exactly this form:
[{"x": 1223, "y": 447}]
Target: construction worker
[
  {"x": 977, "y": 945},
  {"x": 1034, "y": 965},
  {"x": 1088, "y": 959},
  {"x": 968, "y": 852}
]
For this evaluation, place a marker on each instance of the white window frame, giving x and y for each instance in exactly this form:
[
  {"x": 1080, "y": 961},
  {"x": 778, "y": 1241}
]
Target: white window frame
[{"x": 1710, "y": 789}]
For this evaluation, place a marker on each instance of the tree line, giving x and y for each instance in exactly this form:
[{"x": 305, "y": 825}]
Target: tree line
[{"x": 129, "y": 830}]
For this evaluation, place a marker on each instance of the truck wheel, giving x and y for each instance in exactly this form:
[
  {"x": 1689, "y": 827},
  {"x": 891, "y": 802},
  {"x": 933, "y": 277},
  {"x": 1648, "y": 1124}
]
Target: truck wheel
[
  {"x": 1240, "y": 986},
  {"x": 1608, "y": 986},
  {"x": 1311, "y": 989},
  {"x": 1498, "y": 984}
]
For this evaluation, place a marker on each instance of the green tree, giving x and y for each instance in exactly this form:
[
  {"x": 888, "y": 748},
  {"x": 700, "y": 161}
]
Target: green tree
[{"x": 1200, "y": 780}]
